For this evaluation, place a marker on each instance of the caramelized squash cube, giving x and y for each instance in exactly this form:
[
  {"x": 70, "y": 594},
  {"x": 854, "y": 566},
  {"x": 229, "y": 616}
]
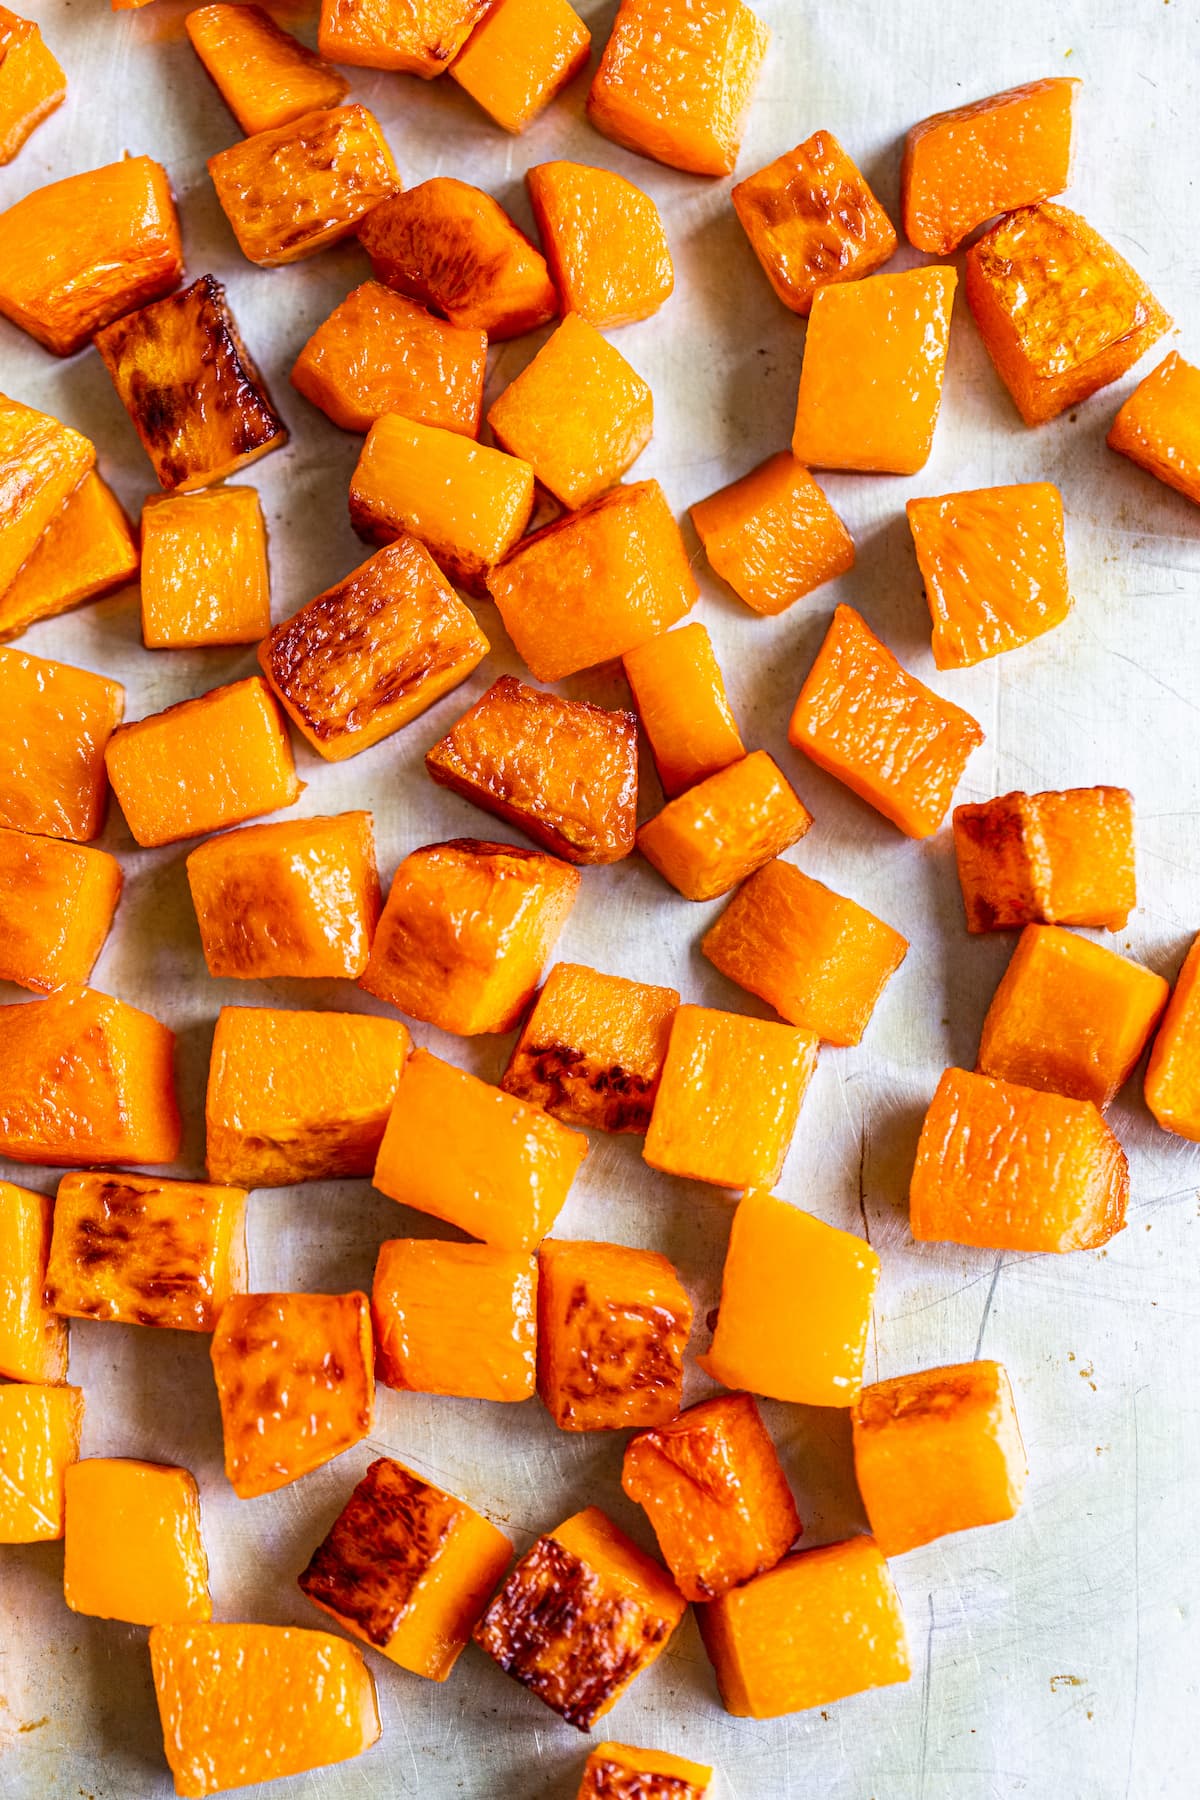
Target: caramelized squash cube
[
  {"x": 33, "y": 1339},
  {"x": 41, "y": 464},
  {"x": 187, "y": 381},
  {"x": 613, "y": 1324},
  {"x": 418, "y": 37},
  {"x": 265, "y": 76},
  {"x": 1157, "y": 426},
  {"x": 54, "y": 727},
  {"x": 133, "y": 1546},
  {"x": 1002, "y": 1167},
  {"x": 296, "y": 1384},
  {"x": 32, "y": 83},
  {"x": 491, "y": 1165},
  {"x": 708, "y": 839},
  {"x": 466, "y": 932},
  {"x": 87, "y": 550},
  {"x": 604, "y": 242},
  {"x": 773, "y": 536},
  {"x": 457, "y": 1319},
  {"x": 1173, "y": 1074},
  {"x": 795, "y": 1306},
  {"x": 379, "y": 353},
  {"x": 622, "y": 1772},
  {"x": 407, "y": 1568},
  {"x": 582, "y": 1614},
  {"x": 39, "y": 1439},
  {"x": 56, "y": 906},
  {"x": 562, "y": 771},
  {"x": 520, "y": 55},
  {"x": 680, "y": 695},
  {"x": 299, "y": 1096},
  {"x": 204, "y": 570},
  {"x": 1056, "y": 858}
]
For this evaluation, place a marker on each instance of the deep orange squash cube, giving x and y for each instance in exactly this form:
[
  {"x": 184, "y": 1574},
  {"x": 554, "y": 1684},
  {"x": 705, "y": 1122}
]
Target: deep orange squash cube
[
  {"x": 379, "y": 353},
  {"x": 613, "y": 1324},
  {"x": 1056, "y": 858},
  {"x": 1157, "y": 426},
  {"x": 680, "y": 695},
  {"x": 1173, "y": 1073},
  {"x": 772, "y": 535},
  {"x": 204, "y": 570},
  {"x": 708, "y": 839},
  {"x": 418, "y": 39},
  {"x": 614, "y": 1771},
  {"x": 133, "y": 1546},
  {"x": 56, "y": 906},
  {"x": 455, "y": 1319},
  {"x": 87, "y": 550},
  {"x": 33, "y": 1339},
  {"x": 54, "y": 727},
  {"x": 39, "y": 1439},
  {"x": 32, "y": 83},
  {"x": 42, "y": 463},
  {"x": 265, "y": 76},
  {"x": 520, "y": 55},
  {"x": 604, "y": 242}
]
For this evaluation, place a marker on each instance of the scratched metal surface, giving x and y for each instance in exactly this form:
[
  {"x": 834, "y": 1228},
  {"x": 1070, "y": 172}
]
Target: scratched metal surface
[{"x": 1054, "y": 1657}]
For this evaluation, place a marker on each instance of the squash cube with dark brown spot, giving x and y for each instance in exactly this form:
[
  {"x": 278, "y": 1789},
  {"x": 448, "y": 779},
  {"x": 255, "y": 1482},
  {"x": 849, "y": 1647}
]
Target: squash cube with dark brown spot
[
  {"x": 625, "y": 1772},
  {"x": 417, "y": 39},
  {"x": 613, "y": 1324}
]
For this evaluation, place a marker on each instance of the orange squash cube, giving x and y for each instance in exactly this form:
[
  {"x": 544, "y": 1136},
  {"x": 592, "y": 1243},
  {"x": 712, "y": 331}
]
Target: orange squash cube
[
  {"x": 582, "y": 1614},
  {"x": 595, "y": 583},
  {"x": 1173, "y": 1074},
  {"x": 893, "y": 741},
  {"x": 616, "y": 1771},
  {"x": 812, "y": 219},
  {"x": 418, "y": 37},
  {"x": 937, "y": 1452},
  {"x": 1057, "y": 858},
  {"x": 818, "y": 1627},
  {"x": 32, "y": 83},
  {"x": 33, "y": 1339},
  {"x": 39, "y": 1439},
  {"x": 592, "y": 1049},
  {"x": 407, "y": 1568},
  {"x": 300, "y": 1699},
  {"x": 191, "y": 388},
  {"x": 204, "y": 570},
  {"x": 456, "y": 1319},
  {"x": 465, "y": 1152},
  {"x": 820, "y": 960},
  {"x": 54, "y": 727},
  {"x": 991, "y": 156},
  {"x": 1060, "y": 313},
  {"x": 56, "y": 906},
  {"x": 680, "y": 696},
  {"x": 676, "y": 79},
  {"x": 562, "y": 771},
  {"x": 78, "y": 253},
  {"x": 520, "y": 55},
  {"x": 454, "y": 249},
  {"x": 1157, "y": 426},
  {"x": 203, "y": 764},
  {"x": 712, "y": 1488},
  {"x": 604, "y": 242},
  {"x": 1002, "y": 1167},
  {"x": 265, "y": 76},
  {"x": 297, "y": 899},
  {"x": 708, "y": 839},
  {"x": 133, "y": 1546},
  {"x": 41, "y": 464},
  {"x": 296, "y": 1384},
  {"x": 871, "y": 380},
  {"x": 299, "y": 1096},
  {"x": 613, "y": 1324},
  {"x": 466, "y": 932},
  {"x": 467, "y": 503},
  {"x": 86, "y": 1079},
  {"x": 773, "y": 536},
  {"x": 729, "y": 1097},
  {"x": 87, "y": 550},
  {"x": 379, "y": 353},
  {"x": 1069, "y": 1016}
]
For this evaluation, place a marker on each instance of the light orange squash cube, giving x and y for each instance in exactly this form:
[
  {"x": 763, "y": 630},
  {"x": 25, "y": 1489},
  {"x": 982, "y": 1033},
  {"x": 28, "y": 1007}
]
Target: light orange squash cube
[
  {"x": 56, "y": 906},
  {"x": 717, "y": 833},
  {"x": 620, "y": 1769},
  {"x": 420, "y": 38},
  {"x": 465, "y": 1152},
  {"x": 39, "y": 1439},
  {"x": 33, "y": 1339},
  {"x": 604, "y": 242},
  {"x": 729, "y": 1097},
  {"x": 379, "y": 353},
  {"x": 1059, "y": 858},
  {"x": 520, "y": 55},
  {"x": 55, "y": 725},
  {"x": 1157, "y": 426},
  {"x": 42, "y": 462},
  {"x": 204, "y": 570},
  {"x": 133, "y": 1546},
  {"x": 295, "y": 1378},
  {"x": 1173, "y": 1073},
  {"x": 265, "y": 76},
  {"x": 456, "y": 1319},
  {"x": 32, "y": 83},
  {"x": 680, "y": 695},
  {"x": 87, "y": 550},
  {"x": 773, "y": 536}
]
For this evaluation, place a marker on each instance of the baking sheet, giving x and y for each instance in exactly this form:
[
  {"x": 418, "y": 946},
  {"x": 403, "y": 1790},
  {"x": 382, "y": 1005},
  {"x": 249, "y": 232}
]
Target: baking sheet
[{"x": 1056, "y": 1656}]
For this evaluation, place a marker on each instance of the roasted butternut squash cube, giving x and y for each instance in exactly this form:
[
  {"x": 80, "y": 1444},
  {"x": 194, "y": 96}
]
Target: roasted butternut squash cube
[
  {"x": 42, "y": 462},
  {"x": 54, "y": 726},
  {"x": 33, "y": 1339},
  {"x": 795, "y": 1306},
  {"x": 467, "y": 503},
  {"x": 595, "y": 583},
  {"x": 562, "y": 771},
  {"x": 296, "y": 1384},
  {"x": 729, "y": 1097},
  {"x": 592, "y": 1049},
  {"x": 299, "y": 899},
  {"x": 300, "y": 1699},
  {"x": 379, "y": 353},
  {"x": 39, "y": 1439},
  {"x": 621, "y": 1772},
  {"x": 712, "y": 1488},
  {"x": 1173, "y": 1074},
  {"x": 189, "y": 384},
  {"x": 613, "y": 1324},
  {"x": 991, "y": 156},
  {"x": 581, "y": 1615},
  {"x": 290, "y": 192},
  {"x": 893, "y": 741},
  {"x": 1157, "y": 426},
  {"x": 604, "y": 242},
  {"x": 520, "y": 55},
  {"x": 1061, "y": 314},
  {"x": 56, "y": 906},
  {"x": 773, "y": 536},
  {"x": 79, "y": 253},
  {"x": 204, "y": 570},
  {"x": 871, "y": 380},
  {"x": 456, "y": 1319},
  {"x": 708, "y": 839},
  {"x": 454, "y": 249},
  {"x": 407, "y": 1568},
  {"x": 265, "y": 76},
  {"x": 299, "y": 1096},
  {"x": 32, "y": 83},
  {"x": 811, "y": 220},
  {"x": 680, "y": 695},
  {"x": 676, "y": 79},
  {"x": 1069, "y": 1016},
  {"x": 491, "y": 1165},
  {"x": 87, "y": 550},
  {"x": 1003, "y": 1167},
  {"x": 86, "y": 1079},
  {"x": 418, "y": 37},
  {"x": 1056, "y": 858},
  {"x": 817, "y": 1627},
  {"x": 203, "y": 764},
  {"x": 820, "y": 960},
  {"x": 466, "y": 932},
  {"x": 937, "y": 1452},
  {"x": 133, "y": 1546}
]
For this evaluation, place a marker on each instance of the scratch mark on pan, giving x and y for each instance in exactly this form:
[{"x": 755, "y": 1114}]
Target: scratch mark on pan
[
  {"x": 1137, "y": 1596},
  {"x": 926, "y": 1684},
  {"x": 987, "y": 1305}
]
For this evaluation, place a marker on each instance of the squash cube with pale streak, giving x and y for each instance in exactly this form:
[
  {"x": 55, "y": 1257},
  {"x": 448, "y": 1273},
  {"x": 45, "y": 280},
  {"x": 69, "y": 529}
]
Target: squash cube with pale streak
[
  {"x": 457, "y": 1319},
  {"x": 39, "y": 1439},
  {"x": 33, "y": 1339}
]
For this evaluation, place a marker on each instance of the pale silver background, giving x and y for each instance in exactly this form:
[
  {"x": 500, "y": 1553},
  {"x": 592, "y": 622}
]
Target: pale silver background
[{"x": 1056, "y": 1657}]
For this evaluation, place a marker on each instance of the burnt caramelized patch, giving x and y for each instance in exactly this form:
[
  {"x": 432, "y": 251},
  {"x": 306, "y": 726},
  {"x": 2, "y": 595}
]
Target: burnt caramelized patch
[
  {"x": 555, "y": 1074},
  {"x": 607, "y": 1780}
]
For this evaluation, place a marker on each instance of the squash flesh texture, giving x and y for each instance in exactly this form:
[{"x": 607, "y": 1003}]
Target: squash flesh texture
[
  {"x": 604, "y": 242},
  {"x": 1059, "y": 858},
  {"x": 714, "y": 835},
  {"x": 33, "y": 1339},
  {"x": 1173, "y": 1074},
  {"x": 520, "y": 55},
  {"x": 1156, "y": 428},
  {"x": 56, "y": 906},
  {"x": 134, "y": 1550},
  {"x": 41, "y": 464},
  {"x": 621, "y": 1772},
  {"x": 265, "y": 76},
  {"x": 773, "y": 536},
  {"x": 32, "y": 83},
  {"x": 417, "y": 37},
  {"x": 457, "y": 1319},
  {"x": 39, "y": 1439},
  {"x": 86, "y": 550},
  {"x": 680, "y": 696},
  {"x": 379, "y": 353},
  {"x": 54, "y": 729},
  {"x": 204, "y": 570}
]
